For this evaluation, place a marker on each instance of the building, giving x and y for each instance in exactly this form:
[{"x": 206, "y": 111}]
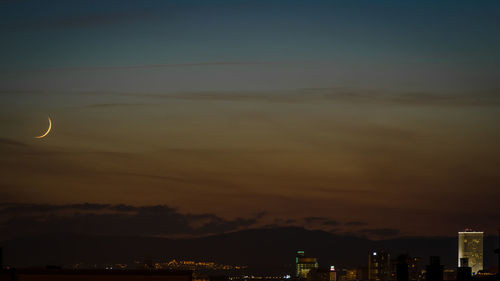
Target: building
[
  {"x": 464, "y": 272},
  {"x": 362, "y": 273},
  {"x": 379, "y": 266},
  {"x": 333, "y": 273},
  {"x": 415, "y": 269},
  {"x": 304, "y": 264},
  {"x": 58, "y": 274},
  {"x": 434, "y": 271},
  {"x": 346, "y": 274},
  {"x": 413, "y": 266},
  {"x": 470, "y": 246},
  {"x": 319, "y": 275},
  {"x": 450, "y": 274},
  {"x": 402, "y": 268}
]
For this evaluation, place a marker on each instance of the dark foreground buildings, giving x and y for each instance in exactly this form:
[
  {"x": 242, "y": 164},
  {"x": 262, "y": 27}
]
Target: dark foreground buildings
[
  {"x": 434, "y": 271},
  {"x": 93, "y": 275}
]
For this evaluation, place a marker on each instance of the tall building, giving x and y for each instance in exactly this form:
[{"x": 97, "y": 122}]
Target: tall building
[
  {"x": 434, "y": 271},
  {"x": 413, "y": 264},
  {"x": 333, "y": 273},
  {"x": 415, "y": 269},
  {"x": 304, "y": 264},
  {"x": 379, "y": 266},
  {"x": 402, "y": 268},
  {"x": 470, "y": 246}
]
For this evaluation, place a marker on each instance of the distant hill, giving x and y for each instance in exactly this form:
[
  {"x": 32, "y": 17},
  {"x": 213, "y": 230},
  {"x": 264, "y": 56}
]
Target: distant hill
[{"x": 263, "y": 250}]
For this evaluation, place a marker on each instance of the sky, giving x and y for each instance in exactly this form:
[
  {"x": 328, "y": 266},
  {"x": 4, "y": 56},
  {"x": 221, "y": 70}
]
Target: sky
[{"x": 371, "y": 118}]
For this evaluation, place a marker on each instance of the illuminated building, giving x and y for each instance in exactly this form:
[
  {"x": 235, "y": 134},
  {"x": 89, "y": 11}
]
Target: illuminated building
[
  {"x": 304, "y": 264},
  {"x": 319, "y": 275},
  {"x": 379, "y": 266},
  {"x": 350, "y": 274},
  {"x": 333, "y": 273},
  {"x": 470, "y": 246}
]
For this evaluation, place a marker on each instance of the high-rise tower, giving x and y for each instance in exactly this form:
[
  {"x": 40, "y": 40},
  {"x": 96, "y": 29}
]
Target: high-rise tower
[
  {"x": 379, "y": 267},
  {"x": 470, "y": 247},
  {"x": 304, "y": 264}
]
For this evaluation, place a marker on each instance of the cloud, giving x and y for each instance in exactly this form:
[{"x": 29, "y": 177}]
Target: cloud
[
  {"x": 81, "y": 20},
  {"x": 104, "y": 219},
  {"x": 20, "y": 219},
  {"x": 87, "y": 20},
  {"x": 20, "y": 209},
  {"x": 408, "y": 98},
  {"x": 321, "y": 221},
  {"x": 107, "y": 105},
  {"x": 355, "y": 223},
  {"x": 342, "y": 190},
  {"x": 146, "y": 66},
  {"x": 358, "y": 96},
  {"x": 300, "y": 95},
  {"x": 381, "y": 232},
  {"x": 281, "y": 221},
  {"x": 10, "y": 142}
]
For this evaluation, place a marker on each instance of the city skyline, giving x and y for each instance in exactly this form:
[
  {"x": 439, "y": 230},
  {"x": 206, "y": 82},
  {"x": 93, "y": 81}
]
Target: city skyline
[
  {"x": 266, "y": 250},
  {"x": 385, "y": 264}
]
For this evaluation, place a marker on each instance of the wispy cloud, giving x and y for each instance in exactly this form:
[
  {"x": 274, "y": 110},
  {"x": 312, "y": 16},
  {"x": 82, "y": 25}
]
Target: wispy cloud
[
  {"x": 108, "y": 105},
  {"x": 358, "y": 96},
  {"x": 146, "y": 66},
  {"x": 10, "y": 142},
  {"x": 304, "y": 95},
  {"x": 84, "y": 20},
  {"x": 323, "y": 221},
  {"x": 381, "y": 232},
  {"x": 355, "y": 223},
  {"x": 408, "y": 98}
]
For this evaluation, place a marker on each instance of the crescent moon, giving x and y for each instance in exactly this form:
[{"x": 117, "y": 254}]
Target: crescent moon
[{"x": 47, "y": 132}]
